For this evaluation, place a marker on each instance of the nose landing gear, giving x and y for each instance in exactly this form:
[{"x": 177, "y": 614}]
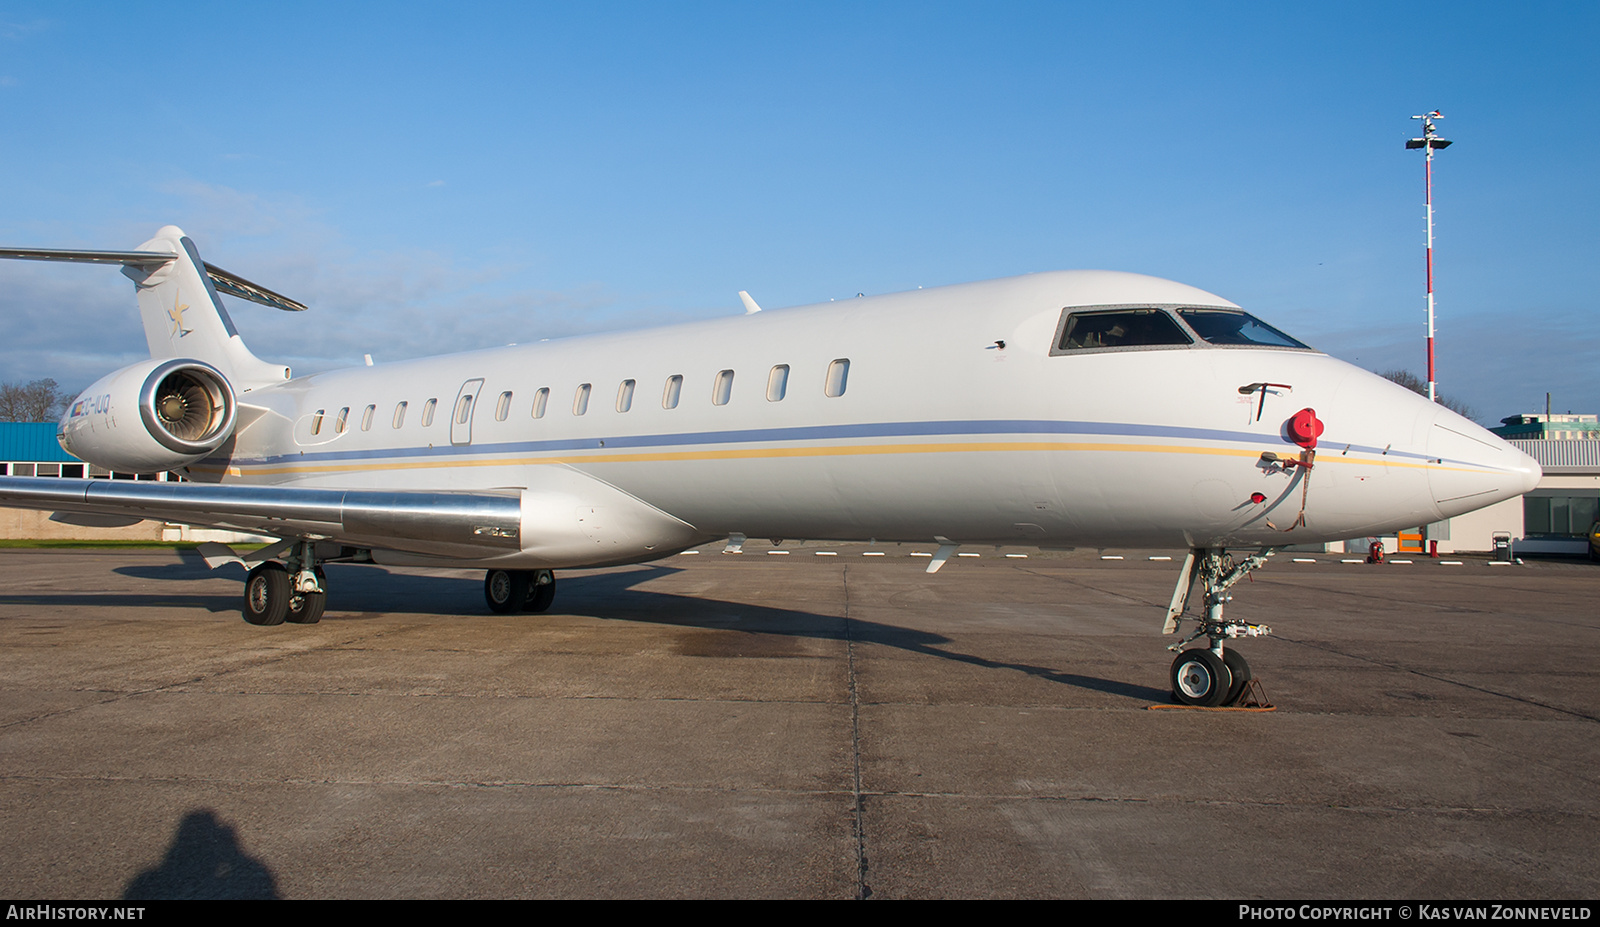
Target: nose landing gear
[{"x": 1214, "y": 676}]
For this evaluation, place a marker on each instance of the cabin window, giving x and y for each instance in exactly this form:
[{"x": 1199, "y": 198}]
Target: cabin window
[
  {"x": 366, "y": 417},
  {"x": 1231, "y": 326},
  {"x": 580, "y": 402},
  {"x": 72, "y": 471},
  {"x": 316, "y": 422},
  {"x": 540, "y": 400},
  {"x": 463, "y": 408},
  {"x": 427, "y": 412},
  {"x": 1120, "y": 328},
  {"x": 777, "y": 382},
  {"x": 722, "y": 391},
  {"x": 503, "y": 407},
  {"x": 399, "y": 414},
  {"x": 838, "y": 377},
  {"x": 339, "y": 423},
  {"x": 669, "y": 396},
  {"x": 625, "y": 396}
]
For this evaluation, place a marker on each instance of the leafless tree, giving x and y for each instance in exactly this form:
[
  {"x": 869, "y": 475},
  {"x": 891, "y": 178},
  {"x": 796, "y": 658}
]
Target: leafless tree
[
  {"x": 1417, "y": 385},
  {"x": 36, "y": 401}
]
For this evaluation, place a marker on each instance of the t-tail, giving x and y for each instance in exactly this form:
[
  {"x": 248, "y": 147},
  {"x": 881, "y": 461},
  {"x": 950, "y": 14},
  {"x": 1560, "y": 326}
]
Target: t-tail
[
  {"x": 184, "y": 317},
  {"x": 181, "y": 404}
]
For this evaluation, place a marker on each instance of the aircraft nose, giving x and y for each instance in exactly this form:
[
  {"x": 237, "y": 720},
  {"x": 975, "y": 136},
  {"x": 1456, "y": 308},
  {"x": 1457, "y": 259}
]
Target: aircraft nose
[{"x": 1472, "y": 468}]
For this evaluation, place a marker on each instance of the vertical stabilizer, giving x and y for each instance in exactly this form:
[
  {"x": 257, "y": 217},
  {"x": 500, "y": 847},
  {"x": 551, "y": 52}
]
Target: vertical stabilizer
[{"x": 184, "y": 317}]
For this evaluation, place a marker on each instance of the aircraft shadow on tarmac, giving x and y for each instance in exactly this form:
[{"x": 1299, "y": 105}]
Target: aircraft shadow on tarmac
[
  {"x": 364, "y": 592},
  {"x": 203, "y": 861}
]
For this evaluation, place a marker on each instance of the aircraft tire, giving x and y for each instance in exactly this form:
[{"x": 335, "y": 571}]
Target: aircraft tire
[
  {"x": 506, "y": 590},
  {"x": 1239, "y": 668},
  {"x": 540, "y": 595},
  {"x": 266, "y": 594},
  {"x": 1199, "y": 677},
  {"x": 306, "y": 607}
]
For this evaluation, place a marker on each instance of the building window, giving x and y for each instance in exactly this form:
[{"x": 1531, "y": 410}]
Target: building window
[
  {"x": 580, "y": 402},
  {"x": 777, "y": 382},
  {"x": 669, "y": 396},
  {"x": 540, "y": 400},
  {"x": 723, "y": 390},
  {"x": 838, "y": 377},
  {"x": 1559, "y": 516}
]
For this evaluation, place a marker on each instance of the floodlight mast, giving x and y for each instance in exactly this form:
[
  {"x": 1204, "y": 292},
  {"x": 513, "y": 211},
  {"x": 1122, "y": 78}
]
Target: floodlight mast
[{"x": 1429, "y": 141}]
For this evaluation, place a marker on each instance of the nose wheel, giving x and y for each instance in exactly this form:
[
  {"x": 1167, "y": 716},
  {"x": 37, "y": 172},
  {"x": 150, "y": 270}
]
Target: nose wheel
[{"x": 1201, "y": 678}]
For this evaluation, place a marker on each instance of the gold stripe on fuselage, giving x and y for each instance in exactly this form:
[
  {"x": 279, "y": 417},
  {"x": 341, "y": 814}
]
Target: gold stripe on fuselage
[{"x": 454, "y": 461}]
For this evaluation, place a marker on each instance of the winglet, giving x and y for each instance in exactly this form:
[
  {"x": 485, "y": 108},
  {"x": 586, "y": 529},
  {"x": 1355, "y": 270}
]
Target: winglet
[{"x": 750, "y": 307}]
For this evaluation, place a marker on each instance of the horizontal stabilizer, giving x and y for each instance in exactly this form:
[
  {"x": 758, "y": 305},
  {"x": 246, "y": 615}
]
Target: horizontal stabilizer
[
  {"x": 235, "y": 285},
  {"x": 125, "y": 258},
  {"x": 229, "y": 283}
]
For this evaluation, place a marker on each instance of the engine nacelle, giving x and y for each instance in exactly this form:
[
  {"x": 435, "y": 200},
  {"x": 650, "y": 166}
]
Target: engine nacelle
[{"x": 152, "y": 416}]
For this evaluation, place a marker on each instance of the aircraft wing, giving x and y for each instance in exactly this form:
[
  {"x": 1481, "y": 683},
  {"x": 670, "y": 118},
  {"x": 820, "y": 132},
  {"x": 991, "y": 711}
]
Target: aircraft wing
[{"x": 448, "y": 524}]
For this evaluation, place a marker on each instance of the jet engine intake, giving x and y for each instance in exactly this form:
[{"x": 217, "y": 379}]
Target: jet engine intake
[{"x": 151, "y": 416}]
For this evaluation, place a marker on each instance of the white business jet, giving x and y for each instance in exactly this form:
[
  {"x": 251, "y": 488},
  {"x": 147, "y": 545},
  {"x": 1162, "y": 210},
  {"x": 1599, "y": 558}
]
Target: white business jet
[{"x": 1078, "y": 408}]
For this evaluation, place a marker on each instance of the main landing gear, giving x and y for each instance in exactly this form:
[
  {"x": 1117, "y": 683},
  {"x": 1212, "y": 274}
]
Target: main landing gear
[
  {"x": 519, "y": 590},
  {"x": 292, "y": 591},
  {"x": 1212, "y": 676}
]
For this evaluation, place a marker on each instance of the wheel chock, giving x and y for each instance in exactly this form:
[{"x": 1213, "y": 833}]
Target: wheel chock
[{"x": 1251, "y": 698}]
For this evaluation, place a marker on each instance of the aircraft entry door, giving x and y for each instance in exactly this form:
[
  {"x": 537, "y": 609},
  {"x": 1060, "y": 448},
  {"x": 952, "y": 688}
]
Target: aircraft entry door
[{"x": 461, "y": 412}]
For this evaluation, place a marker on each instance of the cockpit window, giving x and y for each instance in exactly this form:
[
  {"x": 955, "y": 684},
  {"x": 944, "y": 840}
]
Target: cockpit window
[
  {"x": 1232, "y": 327},
  {"x": 1121, "y": 328}
]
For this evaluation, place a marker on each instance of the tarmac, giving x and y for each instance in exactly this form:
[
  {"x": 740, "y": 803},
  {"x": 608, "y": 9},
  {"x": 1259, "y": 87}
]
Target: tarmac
[{"x": 797, "y": 725}]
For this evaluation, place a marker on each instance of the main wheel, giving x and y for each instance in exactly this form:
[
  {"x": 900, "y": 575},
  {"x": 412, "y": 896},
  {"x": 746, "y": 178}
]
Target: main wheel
[
  {"x": 506, "y": 590},
  {"x": 266, "y": 594},
  {"x": 1239, "y": 667},
  {"x": 306, "y": 607},
  {"x": 540, "y": 595},
  {"x": 1199, "y": 677}
]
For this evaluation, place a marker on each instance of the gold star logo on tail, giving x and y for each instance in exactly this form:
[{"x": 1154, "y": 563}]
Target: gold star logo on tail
[{"x": 176, "y": 315}]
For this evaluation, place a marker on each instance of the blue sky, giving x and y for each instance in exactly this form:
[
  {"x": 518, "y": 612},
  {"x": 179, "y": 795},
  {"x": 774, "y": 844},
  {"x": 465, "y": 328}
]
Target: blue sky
[{"x": 434, "y": 177}]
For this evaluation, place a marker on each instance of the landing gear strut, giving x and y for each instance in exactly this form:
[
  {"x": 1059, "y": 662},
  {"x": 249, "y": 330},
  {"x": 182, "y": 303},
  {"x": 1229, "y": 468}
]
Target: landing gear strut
[
  {"x": 509, "y": 591},
  {"x": 293, "y": 591},
  {"x": 1212, "y": 676}
]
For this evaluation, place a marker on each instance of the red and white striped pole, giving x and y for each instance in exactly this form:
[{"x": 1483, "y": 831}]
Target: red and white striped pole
[{"x": 1429, "y": 141}]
